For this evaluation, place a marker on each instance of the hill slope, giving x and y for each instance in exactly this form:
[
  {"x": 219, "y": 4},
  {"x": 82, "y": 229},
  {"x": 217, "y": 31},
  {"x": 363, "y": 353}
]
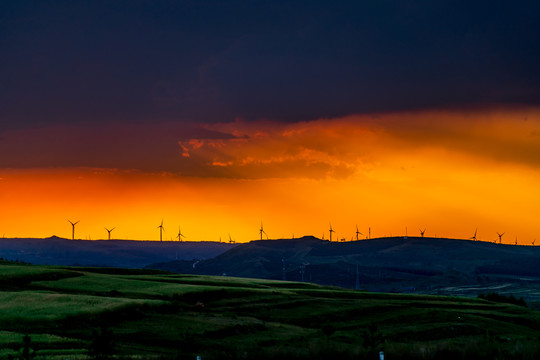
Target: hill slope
[
  {"x": 165, "y": 316},
  {"x": 113, "y": 253},
  {"x": 426, "y": 265}
]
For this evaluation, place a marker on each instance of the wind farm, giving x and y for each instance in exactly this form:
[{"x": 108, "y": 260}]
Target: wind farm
[{"x": 332, "y": 237}]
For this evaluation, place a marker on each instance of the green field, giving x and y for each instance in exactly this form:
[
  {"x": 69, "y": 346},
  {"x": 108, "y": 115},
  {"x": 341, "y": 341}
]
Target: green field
[{"x": 153, "y": 315}]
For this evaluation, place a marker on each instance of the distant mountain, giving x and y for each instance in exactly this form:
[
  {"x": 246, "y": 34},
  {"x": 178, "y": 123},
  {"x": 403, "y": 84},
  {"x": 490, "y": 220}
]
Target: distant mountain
[
  {"x": 395, "y": 264},
  {"x": 108, "y": 253}
]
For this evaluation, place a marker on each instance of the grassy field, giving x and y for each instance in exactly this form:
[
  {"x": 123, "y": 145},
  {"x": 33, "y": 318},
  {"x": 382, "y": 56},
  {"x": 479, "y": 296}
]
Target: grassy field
[{"x": 155, "y": 315}]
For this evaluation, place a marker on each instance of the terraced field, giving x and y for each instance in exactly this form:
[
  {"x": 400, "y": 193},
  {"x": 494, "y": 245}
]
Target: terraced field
[{"x": 149, "y": 314}]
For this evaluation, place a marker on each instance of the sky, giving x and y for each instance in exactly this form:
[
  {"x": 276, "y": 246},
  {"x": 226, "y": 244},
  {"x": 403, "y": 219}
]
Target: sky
[{"x": 393, "y": 116}]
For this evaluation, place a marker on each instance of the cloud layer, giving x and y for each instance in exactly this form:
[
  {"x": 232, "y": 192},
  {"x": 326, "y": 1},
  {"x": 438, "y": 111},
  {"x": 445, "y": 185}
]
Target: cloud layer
[{"x": 318, "y": 149}]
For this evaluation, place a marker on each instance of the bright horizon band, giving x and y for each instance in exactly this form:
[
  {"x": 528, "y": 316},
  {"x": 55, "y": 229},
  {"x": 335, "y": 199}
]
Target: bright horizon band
[{"x": 449, "y": 172}]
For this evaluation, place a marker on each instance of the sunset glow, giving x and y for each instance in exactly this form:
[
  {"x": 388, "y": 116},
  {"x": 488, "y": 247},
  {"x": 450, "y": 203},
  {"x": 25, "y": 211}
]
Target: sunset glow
[{"x": 447, "y": 171}]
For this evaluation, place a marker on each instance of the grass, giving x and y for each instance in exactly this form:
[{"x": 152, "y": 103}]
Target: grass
[
  {"x": 156, "y": 315},
  {"x": 33, "y": 306}
]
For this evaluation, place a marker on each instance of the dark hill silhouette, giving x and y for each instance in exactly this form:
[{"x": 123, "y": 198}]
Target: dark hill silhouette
[
  {"x": 395, "y": 264},
  {"x": 109, "y": 253}
]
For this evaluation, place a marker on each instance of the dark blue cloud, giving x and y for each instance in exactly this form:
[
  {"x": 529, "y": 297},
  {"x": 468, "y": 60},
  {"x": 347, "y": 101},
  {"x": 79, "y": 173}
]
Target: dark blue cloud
[{"x": 210, "y": 61}]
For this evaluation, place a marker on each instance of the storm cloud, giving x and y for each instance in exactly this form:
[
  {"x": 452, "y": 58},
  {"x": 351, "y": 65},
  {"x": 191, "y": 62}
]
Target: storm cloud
[{"x": 207, "y": 62}]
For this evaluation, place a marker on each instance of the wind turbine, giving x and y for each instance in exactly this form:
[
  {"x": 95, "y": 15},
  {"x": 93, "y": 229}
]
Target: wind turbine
[
  {"x": 261, "y": 231},
  {"x": 73, "y": 228},
  {"x": 331, "y": 231},
  {"x": 474, "y": 236},
  {"x": 109, "y": 231},
  {"x": 533, "y": 242},
  {"x": 422, "y": 232},
  {"x": 231, "y": 241},
  {"x": 180, "y": 235},
  {"x": 500, "y": 237},
  {"x": 161, "y": 230},
  {"x": 358, "y": 233}
]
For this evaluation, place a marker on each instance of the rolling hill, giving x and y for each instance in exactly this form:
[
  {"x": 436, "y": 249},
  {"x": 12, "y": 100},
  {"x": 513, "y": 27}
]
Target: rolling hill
[
  {"x": 73, "y": 312},
  {"x": 109, "y": 253},
  {"x": 396, "y": 264}
]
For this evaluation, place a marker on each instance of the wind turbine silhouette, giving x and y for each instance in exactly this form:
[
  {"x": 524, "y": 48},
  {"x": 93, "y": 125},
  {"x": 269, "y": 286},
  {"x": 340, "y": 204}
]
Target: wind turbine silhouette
[
  {"x": 331, "y": 231},
  {"x": 500, "y": 237},
  {"x": 180, "y": 235},
  {"x": 261, "y": 231},
  {"x": 422, "y": 232},
  {"x": 533, "y": 242},
  {"x": 358, "y": 233},
  {"x": 109, "y": 231},
  {"x": 73, "y": 228},
  {"x": 474, "y": 236},
  {"x": 231, "y": 241},
  {"x": 161, "y": 230}
]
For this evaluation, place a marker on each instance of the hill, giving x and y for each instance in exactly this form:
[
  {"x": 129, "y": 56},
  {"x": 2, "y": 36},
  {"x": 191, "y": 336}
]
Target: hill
[
  {"x": 397, "y": 264},
  {"x": 108, "y": 253},
  {"x": 67, "y": 311}
]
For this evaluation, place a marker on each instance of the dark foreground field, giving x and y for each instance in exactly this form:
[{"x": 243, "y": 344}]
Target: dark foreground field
[{"x": 147, "y": 314}]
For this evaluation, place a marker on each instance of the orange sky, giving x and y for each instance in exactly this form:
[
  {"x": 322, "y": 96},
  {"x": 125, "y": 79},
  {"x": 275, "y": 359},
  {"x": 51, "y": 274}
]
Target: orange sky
[{"x": 448, "y": 171}]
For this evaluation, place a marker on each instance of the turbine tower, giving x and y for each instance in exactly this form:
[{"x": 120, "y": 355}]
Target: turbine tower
[
  {"x": 73, "y": 228},
  {"x": 331, "y": 231},
  {"x": 422, "y": 232},
  {"x": 474, "y": 236},
  {"x": 261, "y": 231},
  {"x": 109, "y": 231},
  {"x": 161, "y": 230},
  {"x": 231, "y": 241},
  {"x": 358, "y": 233},
  {"x": 500, "y": 237},
  {"x": 180, "y": 235}
]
